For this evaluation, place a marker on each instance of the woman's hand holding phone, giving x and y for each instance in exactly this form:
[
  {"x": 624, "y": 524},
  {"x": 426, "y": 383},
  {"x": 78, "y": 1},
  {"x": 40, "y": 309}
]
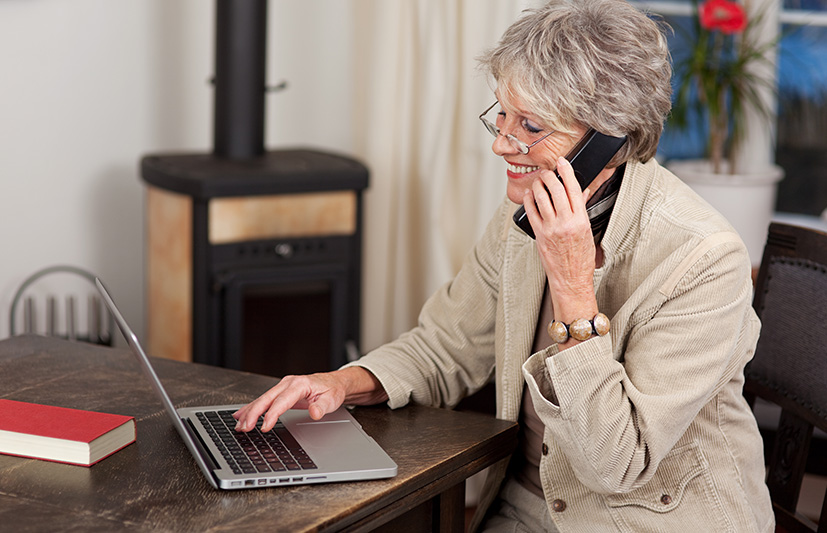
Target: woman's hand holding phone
[
  {"x": 588, "y": 158},
  {"x": 556, "y": 209}
]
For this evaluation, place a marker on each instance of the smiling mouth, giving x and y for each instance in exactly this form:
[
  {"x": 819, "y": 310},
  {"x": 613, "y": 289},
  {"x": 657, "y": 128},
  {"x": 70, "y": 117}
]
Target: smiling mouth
[{"x": 521, "y": 169}]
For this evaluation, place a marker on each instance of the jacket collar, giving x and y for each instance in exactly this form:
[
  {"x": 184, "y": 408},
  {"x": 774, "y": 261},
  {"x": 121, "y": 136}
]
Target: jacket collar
[{"x": 630, "y": 211}]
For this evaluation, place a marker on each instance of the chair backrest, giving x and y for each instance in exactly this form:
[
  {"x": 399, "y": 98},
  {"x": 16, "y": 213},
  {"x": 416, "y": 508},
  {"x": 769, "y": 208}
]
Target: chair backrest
[
  {"x": 790, "y": 364},
  {"x": 62, "y": 282}
]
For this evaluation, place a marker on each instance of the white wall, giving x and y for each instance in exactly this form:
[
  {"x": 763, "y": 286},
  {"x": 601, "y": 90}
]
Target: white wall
[{"x": 89, "y": 86}]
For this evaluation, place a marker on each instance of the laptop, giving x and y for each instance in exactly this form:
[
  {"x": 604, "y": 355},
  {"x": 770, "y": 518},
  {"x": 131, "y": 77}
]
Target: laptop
[{"x": 298, "y": 451}]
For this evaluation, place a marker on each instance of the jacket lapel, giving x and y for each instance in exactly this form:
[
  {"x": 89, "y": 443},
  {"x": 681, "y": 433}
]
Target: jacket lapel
[{"x": 523, "y": 284}]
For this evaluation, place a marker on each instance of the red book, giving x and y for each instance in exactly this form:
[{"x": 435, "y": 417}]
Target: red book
[{"x": 59, "y": 434}]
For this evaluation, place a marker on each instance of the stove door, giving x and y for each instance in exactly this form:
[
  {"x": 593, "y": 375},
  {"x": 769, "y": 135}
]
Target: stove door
[{"x": 285, "y": 321}]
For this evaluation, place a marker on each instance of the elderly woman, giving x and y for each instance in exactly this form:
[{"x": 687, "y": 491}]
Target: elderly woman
[{"x": 633, "y": 424}]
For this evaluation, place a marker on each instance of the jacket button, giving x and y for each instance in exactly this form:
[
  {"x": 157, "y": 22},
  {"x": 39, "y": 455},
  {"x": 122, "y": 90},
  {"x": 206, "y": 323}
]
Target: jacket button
[
  {"x": 545, "y": 449},
  {"x": 558, "y": 506},
  {"x": 666, "y": 499}
]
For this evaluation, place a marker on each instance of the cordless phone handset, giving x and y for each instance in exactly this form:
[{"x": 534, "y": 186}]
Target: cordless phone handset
[{"x": 587, "y": 158}]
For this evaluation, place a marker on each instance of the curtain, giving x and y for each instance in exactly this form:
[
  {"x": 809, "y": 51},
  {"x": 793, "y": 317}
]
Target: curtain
[{"x": 434, "y": 180}]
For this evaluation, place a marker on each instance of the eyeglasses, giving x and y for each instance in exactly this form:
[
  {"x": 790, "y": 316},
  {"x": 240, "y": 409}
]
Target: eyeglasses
[{"x": 522, "y": 147}]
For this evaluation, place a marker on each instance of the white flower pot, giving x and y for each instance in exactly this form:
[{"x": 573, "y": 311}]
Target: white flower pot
[{"x": 746, "y": 200}]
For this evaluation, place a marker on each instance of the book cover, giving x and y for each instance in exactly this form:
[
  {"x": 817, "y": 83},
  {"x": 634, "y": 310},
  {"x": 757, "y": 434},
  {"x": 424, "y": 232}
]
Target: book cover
[{"x": 61, "y": 434}]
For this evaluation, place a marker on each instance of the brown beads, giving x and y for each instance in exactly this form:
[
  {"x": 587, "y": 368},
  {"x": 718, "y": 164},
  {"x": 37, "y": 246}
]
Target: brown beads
[
  {"x": 581, "y": 329},
  {"x": 558, "y": 332},
  {"x": 601, "y": 324}
]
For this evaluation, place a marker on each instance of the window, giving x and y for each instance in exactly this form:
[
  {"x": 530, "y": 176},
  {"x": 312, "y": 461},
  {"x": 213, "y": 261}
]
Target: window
[{"x": 801, "y": 139}]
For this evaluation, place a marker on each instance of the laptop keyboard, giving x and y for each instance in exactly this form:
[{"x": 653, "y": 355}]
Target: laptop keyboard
[{"x": 254, "y": 452}]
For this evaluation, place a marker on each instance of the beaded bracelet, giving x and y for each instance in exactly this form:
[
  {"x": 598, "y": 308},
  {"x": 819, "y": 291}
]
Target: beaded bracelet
[{"x": 581, "y": 329}]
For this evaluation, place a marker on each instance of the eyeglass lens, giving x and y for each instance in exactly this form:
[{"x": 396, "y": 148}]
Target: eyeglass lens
[{"x": 495, "y": 131}]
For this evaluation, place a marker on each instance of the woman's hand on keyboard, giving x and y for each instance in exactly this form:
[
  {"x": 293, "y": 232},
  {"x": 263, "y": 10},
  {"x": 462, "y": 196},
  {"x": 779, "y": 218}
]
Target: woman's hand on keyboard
[{"x": 318, "y": 393}]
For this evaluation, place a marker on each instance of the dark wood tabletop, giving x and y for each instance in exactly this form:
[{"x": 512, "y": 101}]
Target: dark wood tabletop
[{"x": 154, "y": 484}]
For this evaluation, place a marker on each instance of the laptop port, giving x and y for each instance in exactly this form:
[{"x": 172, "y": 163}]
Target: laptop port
[
  {"x": 298, "y": 479},
  {"x": 250, "y": 482}
]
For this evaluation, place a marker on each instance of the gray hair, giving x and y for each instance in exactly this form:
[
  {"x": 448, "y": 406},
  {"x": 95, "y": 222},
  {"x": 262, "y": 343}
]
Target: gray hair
[{"x": 601, "y": 64}]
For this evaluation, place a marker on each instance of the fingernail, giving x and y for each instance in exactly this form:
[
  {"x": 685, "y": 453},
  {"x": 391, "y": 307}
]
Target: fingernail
[{"x": 240, "y": 426}]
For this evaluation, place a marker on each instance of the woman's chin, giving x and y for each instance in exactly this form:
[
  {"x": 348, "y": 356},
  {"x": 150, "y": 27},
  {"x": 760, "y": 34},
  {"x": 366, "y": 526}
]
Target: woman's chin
[{"x": 516, "y": 192}]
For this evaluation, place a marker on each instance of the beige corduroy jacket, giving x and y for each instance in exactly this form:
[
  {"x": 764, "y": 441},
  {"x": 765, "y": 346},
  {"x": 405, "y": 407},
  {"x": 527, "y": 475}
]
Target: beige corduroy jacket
[{"x": 646, "y": 428}]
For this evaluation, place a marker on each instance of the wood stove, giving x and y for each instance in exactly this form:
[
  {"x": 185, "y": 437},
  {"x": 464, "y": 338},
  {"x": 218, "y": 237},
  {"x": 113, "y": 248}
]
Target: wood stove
[{"x": 253, "y": 256}]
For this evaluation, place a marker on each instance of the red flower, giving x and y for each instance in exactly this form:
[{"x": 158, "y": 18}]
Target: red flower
[{"x": 724, "y": 15}]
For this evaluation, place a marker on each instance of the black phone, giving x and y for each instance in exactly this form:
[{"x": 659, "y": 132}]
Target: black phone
[{"x": 587, "y": 158}]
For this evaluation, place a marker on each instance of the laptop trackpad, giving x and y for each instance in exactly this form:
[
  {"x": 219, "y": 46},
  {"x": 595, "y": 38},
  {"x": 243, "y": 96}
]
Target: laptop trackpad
[{"x": 332, "y": 440}]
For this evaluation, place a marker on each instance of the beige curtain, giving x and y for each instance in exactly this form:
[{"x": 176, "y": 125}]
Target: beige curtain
[{"x": 434, "y": 180}]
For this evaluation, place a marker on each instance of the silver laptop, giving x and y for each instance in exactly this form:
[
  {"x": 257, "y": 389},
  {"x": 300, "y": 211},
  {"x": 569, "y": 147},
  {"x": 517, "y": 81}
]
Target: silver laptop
[{"x": 299, "y": 450}]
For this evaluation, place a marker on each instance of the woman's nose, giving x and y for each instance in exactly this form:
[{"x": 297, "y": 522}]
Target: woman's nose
[{"x": 502, "y": 146}]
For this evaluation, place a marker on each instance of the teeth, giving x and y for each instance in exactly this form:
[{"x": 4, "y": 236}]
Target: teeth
[{"x": 520, "y": 169}]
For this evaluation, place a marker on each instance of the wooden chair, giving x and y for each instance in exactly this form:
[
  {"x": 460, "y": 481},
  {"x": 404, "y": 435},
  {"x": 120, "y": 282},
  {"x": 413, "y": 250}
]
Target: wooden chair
[
  {"x": 790, "y": 364},
  {"x": 62, "y": 281}
]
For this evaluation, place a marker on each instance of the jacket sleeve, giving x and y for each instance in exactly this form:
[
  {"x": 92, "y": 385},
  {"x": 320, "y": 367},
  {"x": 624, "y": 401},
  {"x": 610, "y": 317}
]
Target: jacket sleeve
[
  {"x": 618, "y": 404},
  {"x": 450, "y": 353}
]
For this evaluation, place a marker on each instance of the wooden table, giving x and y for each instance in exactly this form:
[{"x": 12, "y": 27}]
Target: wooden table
[{"x": 154, "y": 484}]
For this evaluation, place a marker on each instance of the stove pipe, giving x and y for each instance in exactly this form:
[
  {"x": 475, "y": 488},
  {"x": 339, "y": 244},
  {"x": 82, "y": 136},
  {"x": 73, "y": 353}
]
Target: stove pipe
[{"x": 240, "y": 84}]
